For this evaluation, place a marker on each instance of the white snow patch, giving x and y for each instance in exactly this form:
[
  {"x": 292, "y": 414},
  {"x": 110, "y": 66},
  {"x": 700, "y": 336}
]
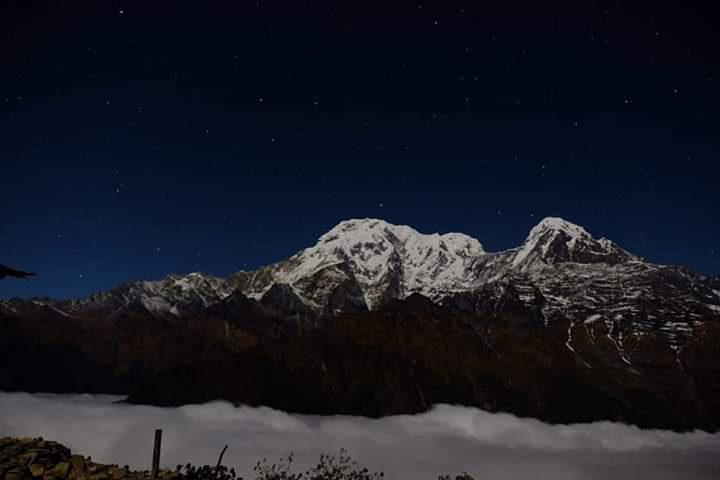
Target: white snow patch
[
  {"x": 156, "y": 304},
  {"x": 568, "y": 344},
  {"x": 57, "y": 310}
]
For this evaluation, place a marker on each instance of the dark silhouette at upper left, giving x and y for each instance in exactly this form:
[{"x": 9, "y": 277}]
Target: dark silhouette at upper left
[{"x": 6, "y": 271}]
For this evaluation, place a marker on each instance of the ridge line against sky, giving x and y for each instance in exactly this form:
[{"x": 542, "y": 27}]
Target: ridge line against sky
[{"x": 489, "y": 251}]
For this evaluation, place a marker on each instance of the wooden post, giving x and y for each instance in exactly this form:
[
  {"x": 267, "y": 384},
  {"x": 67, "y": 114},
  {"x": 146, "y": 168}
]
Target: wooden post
[
  {"x": 217, "y": 467},
  {"x": 156, "y": 455}
]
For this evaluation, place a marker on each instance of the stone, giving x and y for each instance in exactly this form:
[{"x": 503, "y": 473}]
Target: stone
[
  {"x": 77, "y": 461},
  {"x": 60, "y": 470},
  {"x": 26, "y": 458},
  {"x": 37, "y": 470},
  {"x": 117, "y": 473},
  {"x": 18, "y": 474}
]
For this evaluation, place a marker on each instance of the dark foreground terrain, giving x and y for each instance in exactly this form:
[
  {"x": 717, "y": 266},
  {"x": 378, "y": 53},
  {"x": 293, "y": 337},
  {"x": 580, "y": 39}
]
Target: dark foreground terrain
[{"x": 35, "y": 458}]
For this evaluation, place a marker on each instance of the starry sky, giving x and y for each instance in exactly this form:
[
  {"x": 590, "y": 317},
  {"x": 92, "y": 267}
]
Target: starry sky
[{"x": 143, "y": 138}]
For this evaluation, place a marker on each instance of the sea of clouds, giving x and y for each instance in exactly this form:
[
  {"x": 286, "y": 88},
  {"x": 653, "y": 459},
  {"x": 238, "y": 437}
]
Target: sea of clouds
[{"x": 447, "y": 439}]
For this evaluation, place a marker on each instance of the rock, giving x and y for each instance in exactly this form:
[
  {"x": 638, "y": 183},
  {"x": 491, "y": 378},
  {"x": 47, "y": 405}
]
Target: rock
[
  {"x": 37, "y": 470},
  {"x": 37, "y": 459},
  {"x": 116, "y": 473},
  {"x": 27, "y": 458},
  {"x": 18, "y": 474},
  {"x": 60, "y": 470}
]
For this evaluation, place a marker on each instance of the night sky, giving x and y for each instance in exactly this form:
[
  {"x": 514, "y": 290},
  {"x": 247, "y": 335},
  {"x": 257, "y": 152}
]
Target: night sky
[{"x": 143, "y": 138}]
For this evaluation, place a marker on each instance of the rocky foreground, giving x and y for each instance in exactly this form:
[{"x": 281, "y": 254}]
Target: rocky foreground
[
  {"x": 35, "y": 458},
  {"x": 39, "y": 459}
]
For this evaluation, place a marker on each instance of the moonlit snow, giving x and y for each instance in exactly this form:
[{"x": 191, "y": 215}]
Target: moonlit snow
[{"x": 447, "y": 439}]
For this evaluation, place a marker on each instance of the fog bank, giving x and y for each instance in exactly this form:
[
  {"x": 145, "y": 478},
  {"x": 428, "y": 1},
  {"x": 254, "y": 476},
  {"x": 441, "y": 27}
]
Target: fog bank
[{"x": 447, "y": 439}]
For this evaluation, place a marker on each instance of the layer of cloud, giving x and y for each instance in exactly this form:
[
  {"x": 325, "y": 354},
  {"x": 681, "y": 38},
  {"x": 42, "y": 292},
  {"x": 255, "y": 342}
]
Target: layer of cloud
[{"x": 447, "y": 439}]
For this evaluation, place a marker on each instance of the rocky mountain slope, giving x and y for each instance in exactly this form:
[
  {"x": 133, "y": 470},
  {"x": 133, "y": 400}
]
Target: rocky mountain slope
[{"x": 378, "y": 318}]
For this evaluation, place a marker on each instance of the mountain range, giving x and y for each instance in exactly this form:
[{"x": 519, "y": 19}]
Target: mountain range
[{"x": 379, "y": 319}]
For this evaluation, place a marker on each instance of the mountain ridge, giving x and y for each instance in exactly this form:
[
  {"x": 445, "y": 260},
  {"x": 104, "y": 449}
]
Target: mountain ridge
[
  {"x": 379, "y": 319},
  {"x": 379, "y": 261}
]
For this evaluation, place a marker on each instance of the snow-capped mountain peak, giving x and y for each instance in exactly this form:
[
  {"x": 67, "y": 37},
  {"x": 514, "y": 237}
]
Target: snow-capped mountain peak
[
  {"x": 384, "y": 259},
  {"x": 355, "y": 233},
  {"x": 557, "y": 224},
  {"x": 368, "y": 230},
  {"x": 555, "y": 240}
]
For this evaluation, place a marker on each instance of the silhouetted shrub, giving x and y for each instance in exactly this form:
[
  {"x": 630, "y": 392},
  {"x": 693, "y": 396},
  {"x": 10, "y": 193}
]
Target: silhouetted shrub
[
  {"x": 276, "y": 471},
  {"x": 206, "y": 472},
  {"x": 330, "y": 467},
  {"x": 342, "y": 467}
]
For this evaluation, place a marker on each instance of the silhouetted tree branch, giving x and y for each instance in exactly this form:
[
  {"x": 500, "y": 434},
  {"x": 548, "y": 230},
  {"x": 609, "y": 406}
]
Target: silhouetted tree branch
[{"x": 6, "y": 271}]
